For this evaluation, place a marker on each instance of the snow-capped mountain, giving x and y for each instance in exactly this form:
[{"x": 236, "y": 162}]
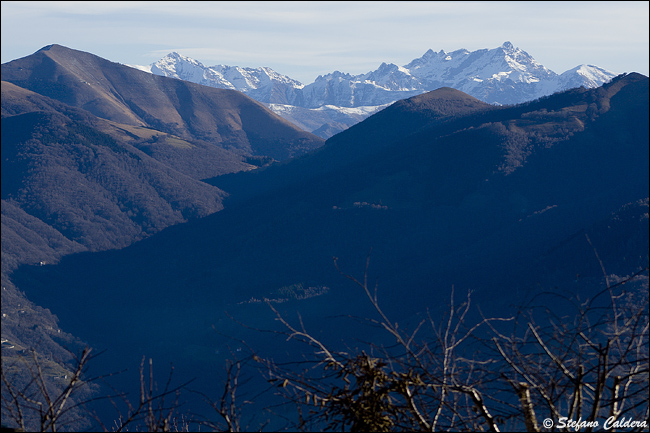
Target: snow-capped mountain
[
  {"x": 588, "y": 76},
  {"x": 324, "y": 121},
  {"x": 262, "y": 84},
  {"x": 503, "y": 75}
]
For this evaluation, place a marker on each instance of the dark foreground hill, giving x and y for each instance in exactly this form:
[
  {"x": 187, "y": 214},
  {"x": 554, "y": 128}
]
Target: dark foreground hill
[{"x": 445, "y": 190}]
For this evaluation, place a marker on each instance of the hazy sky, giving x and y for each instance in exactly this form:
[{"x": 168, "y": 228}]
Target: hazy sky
[{"x": 305, "y": 39}]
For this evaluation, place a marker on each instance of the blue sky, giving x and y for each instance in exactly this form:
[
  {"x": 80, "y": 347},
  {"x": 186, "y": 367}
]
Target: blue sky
[{"x": 305, "y": 39}]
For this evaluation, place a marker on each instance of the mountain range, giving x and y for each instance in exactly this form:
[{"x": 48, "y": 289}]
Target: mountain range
[
  {"x": 504, "y": 75},
  {"x": 141, "y": 213},
  {"x": 105, "y": 154},
  {"x": 97, "y": 155}
]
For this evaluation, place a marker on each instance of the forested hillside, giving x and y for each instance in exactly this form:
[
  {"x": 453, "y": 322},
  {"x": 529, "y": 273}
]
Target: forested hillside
[{"x": 96, "y": 156}]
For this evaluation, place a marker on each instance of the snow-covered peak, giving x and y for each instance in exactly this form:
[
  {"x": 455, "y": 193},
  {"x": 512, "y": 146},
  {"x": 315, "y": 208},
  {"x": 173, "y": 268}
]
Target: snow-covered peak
[
  {"x": 253, "y": 78},
  {"x": 593, "y": 75},
  {"x": 173, "y": 59},
  {"x": 177, "y": 56},
  {"x": 588, "y": 76},
  {"x": 336, "y": 75},
  {"x": 391, "y": 77},
  {"x": 389, "y": 68},
  {"x": 263, "y": 83},
  {"x": 430, "y": 59},
  {"x": 517, "y": 65},
  {"x": 275, "y": 76},
  {"x": 176, "y": 65},
  {"x": 430, "y": 53}
]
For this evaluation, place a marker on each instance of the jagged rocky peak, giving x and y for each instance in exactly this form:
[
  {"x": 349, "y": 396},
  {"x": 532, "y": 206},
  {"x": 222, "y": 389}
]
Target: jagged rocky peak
[
  {"x": 173, "y": 60},
  {"x": 429, "y": 53},
  {"x": 388, "y": 68},
  {"x": 336, "y": 75}
]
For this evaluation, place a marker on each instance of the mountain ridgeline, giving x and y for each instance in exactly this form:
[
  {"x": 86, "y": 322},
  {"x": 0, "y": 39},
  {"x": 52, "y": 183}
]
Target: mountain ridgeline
[
  {"x": 106, "y": 154},
  {"x": 124, "y": 95},
  {"x": 141, "y": 213},
  {"x": 445, "y": 189}
]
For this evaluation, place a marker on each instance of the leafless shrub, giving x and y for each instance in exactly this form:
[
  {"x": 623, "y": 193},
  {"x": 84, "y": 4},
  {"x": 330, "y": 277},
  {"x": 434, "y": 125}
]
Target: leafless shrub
[
  {"x": 39, "y": 405},
  {"x": 455, "y": 374},
  {"x": 586, "y": 365}
]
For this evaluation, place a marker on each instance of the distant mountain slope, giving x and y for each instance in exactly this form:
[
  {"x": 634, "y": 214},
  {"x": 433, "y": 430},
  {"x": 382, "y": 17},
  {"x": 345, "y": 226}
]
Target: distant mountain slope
[
  {"x": 503, "y": 75},
  {"x": 97, "y": 191},
  {"x": 197, "y": 159},
  {"x": 445, "y": 189},
  {"x": 261, "y": 84},
  {"x": 192, "y": 112},
  {"x": 327, "y": 120}
]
